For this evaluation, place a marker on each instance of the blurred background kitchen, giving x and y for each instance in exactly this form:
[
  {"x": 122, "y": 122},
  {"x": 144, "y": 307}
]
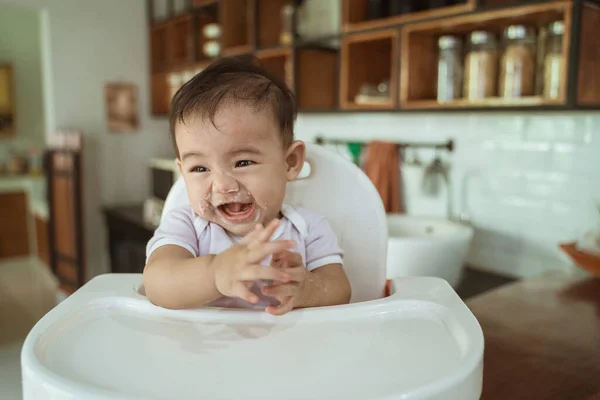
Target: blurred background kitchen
[{"x": 477, "y": 120}]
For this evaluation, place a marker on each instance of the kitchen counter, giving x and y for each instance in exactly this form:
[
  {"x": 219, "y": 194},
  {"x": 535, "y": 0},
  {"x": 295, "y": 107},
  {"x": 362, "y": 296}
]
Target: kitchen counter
[
  {"x": 542, "y": 338},
  {"x": 34, "y": 187}
]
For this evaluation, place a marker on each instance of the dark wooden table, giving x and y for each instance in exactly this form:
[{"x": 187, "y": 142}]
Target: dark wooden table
[
  {"x": 128, "y": 235},
  {"x": 542, "y": 338}
]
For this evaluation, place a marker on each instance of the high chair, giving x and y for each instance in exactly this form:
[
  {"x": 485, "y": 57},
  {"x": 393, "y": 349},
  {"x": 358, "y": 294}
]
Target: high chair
[{"x": 107, "y": 341}]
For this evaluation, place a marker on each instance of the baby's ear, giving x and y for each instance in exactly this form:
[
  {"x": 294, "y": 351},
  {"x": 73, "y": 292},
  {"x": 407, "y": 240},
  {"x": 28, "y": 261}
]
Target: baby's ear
[{"x": 294, "y": 159}]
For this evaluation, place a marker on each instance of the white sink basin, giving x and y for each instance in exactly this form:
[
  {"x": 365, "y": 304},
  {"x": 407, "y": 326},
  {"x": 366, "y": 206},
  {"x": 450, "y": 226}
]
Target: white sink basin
[{"x": 423, "y": 246}]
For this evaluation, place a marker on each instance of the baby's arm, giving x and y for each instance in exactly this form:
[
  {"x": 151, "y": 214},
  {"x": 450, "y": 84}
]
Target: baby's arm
[
  {"x": 178, "y": 275},
  {"x": 322, "y": 282},
  {"x": 175, "y": 279},
  {"x": 325, "y": 286},
  {"x": 326, "y": 283}
]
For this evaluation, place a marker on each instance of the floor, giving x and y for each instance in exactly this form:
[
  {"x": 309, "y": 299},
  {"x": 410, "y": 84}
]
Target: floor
[{"x": 27, "y": 292}]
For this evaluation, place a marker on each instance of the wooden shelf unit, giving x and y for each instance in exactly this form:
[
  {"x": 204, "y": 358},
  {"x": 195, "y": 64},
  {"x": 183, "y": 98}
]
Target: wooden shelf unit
[
  {"x": 237, "y": 21},
  {"x": 401, "y": 48},
  {"x": 268, "y": 22},
  {"x": 248, "y": 27},
  {"x": 279, "y": 63},
  {"x": 419, "y": 53},
  {"x": 355, "y": 17},
  {"x": 369, "y": 58}
]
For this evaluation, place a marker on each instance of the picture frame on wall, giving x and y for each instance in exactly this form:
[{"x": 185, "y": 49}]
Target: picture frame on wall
[
  {"x": 122, "y": 110},
  {"x": 8, "y": 102}
]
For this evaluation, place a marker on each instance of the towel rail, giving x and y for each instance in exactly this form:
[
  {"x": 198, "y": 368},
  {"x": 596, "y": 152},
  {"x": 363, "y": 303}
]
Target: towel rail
[{"x": 449, "y": 145}]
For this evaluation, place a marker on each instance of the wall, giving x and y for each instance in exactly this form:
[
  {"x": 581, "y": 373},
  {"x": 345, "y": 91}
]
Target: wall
[
  {"x": 20, "y": 45},
  {"x": 526, "y": 180},
  {"x": 89, "y": 43}
]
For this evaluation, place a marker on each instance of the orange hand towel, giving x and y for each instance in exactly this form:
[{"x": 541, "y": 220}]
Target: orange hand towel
[{"x": 382, "y": 166}]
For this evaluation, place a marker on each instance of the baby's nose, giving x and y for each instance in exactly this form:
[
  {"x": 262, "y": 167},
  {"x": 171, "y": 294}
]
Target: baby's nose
[{"x": 225, "y": 184}]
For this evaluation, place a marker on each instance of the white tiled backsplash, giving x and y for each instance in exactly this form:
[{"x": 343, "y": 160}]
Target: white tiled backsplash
[{"x": 527, "y": 181}]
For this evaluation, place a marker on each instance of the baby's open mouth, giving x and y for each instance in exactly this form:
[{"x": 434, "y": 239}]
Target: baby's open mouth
[{"x": 237, "y": 212}]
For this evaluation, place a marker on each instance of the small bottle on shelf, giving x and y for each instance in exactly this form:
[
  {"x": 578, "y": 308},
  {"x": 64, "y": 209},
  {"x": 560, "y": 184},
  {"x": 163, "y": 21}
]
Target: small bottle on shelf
[
  {"x": 517, "y": 66},
  {"x": 481, "y": 66},
  {"x": 450, "y": 68},
  {"x": 554, "y": 60}
]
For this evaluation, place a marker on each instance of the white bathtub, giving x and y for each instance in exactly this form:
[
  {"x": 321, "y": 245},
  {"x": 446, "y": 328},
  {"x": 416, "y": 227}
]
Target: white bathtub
[{"x": 422, "y": 246}]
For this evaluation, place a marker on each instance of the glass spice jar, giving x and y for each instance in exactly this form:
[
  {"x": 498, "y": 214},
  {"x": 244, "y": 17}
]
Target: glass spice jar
[
  {"x": 518, "y": 63},
  {"x": 450, "y": 68},
  {"x": 481, "y": 66},
  {"x": 287, "y": 18},
  {"x": 554, "y": 59}
]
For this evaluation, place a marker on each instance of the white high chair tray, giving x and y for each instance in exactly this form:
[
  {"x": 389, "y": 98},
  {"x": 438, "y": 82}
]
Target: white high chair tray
[{"x": 107, "y": 341}]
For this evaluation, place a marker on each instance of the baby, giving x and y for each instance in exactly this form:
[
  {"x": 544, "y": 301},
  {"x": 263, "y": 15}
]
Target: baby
[{"x": 237, "y": 244}]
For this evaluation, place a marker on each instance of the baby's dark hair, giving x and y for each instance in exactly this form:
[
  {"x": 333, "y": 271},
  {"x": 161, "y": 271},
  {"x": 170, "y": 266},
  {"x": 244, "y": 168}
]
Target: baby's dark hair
[{"x": 237, "y": 80}]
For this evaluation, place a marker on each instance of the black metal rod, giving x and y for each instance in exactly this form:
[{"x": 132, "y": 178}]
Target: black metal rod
[{"x": 449, "y": 145}]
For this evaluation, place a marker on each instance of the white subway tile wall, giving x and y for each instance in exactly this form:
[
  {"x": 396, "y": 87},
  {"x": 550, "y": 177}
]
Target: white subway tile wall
[{"x": 527, "y": 180}]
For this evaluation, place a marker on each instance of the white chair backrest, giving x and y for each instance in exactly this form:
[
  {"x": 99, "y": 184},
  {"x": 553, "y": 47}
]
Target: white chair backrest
[{"x": 342, "y": 193}]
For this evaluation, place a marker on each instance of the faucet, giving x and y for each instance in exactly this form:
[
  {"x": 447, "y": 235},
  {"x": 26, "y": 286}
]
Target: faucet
[{"x": 438, "y": 168}]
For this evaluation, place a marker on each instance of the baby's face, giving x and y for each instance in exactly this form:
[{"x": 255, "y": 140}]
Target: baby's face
[{"x": 236, "y": 169}]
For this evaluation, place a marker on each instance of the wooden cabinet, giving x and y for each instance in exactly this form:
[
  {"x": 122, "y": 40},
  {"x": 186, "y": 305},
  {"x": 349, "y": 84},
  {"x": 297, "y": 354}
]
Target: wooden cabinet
[
  {"x": 247, "y": 27},
  {"x": 387, "y": 63},
  {"x": 14, "y": 232}
]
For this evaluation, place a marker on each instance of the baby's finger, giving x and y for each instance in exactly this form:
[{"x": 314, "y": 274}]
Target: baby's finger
[
  {"x": 285, "y": 307},
  {"x": 259, "y": 253},
  {"x": 250, "y": 236},
  {"x": 277, "y": 262},
  {"x": 244, "y": 293},
  {"x": 291, "y": 257},
  {"x": 258, "y": 272},
  {"x": 296, "y": 274},
  {"x": 268, "y": 231},
  {"x": 281, "y": 290}
]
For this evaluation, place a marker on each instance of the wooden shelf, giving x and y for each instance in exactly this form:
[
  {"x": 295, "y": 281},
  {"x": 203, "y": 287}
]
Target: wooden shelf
[
  {"x": 236, "y": 18},
  {"x": 327, "y": 73},
  {"x": 207, "y": 15},
  {"x": 530, "y": 101},
  {"x": 368, "y": 58},
  {"x": 278, "y": 62},
  {"x": 354, "y": 15},
  {"x": 159, "y": 56},
  {"x": 588, "y": 74},
  {"x": 269, "y": 22},
  {"x": 181, "y": 44},
  {"x": 419, "y": 53},
  {"x": 160, "y": 104},
  {"x": 316, "y": 79}
]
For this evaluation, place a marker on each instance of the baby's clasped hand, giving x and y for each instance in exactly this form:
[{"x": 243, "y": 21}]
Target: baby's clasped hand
[
  {"x": 289, "y": 294},
  {"x": 237, "y": 268}
]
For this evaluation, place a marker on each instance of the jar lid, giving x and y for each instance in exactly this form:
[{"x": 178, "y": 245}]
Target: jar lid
[
  {"x": 481, "y": 37},
  {"x": 448, "y": 42},
  {"x": 556, "y": 28},
  {"x": 515, "y": 32},
  {"x": 212, "y": 31}
]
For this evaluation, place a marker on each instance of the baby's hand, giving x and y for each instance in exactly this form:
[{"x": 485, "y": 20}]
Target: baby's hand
[
  {"x": 239, "y": 266},
  {"x": 288, "y": 293}
]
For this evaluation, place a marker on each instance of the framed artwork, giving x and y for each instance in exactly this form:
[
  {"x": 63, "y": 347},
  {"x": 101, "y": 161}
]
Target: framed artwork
[
  {"x": 8, "y": 102},
  {"x": 122, "y": 107}
]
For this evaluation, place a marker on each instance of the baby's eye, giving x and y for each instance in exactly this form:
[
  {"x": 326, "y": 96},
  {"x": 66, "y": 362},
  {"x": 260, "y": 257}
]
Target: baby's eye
[
  {"x": 198, "y": 169},
  {"x": 243, "y": 163}
]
